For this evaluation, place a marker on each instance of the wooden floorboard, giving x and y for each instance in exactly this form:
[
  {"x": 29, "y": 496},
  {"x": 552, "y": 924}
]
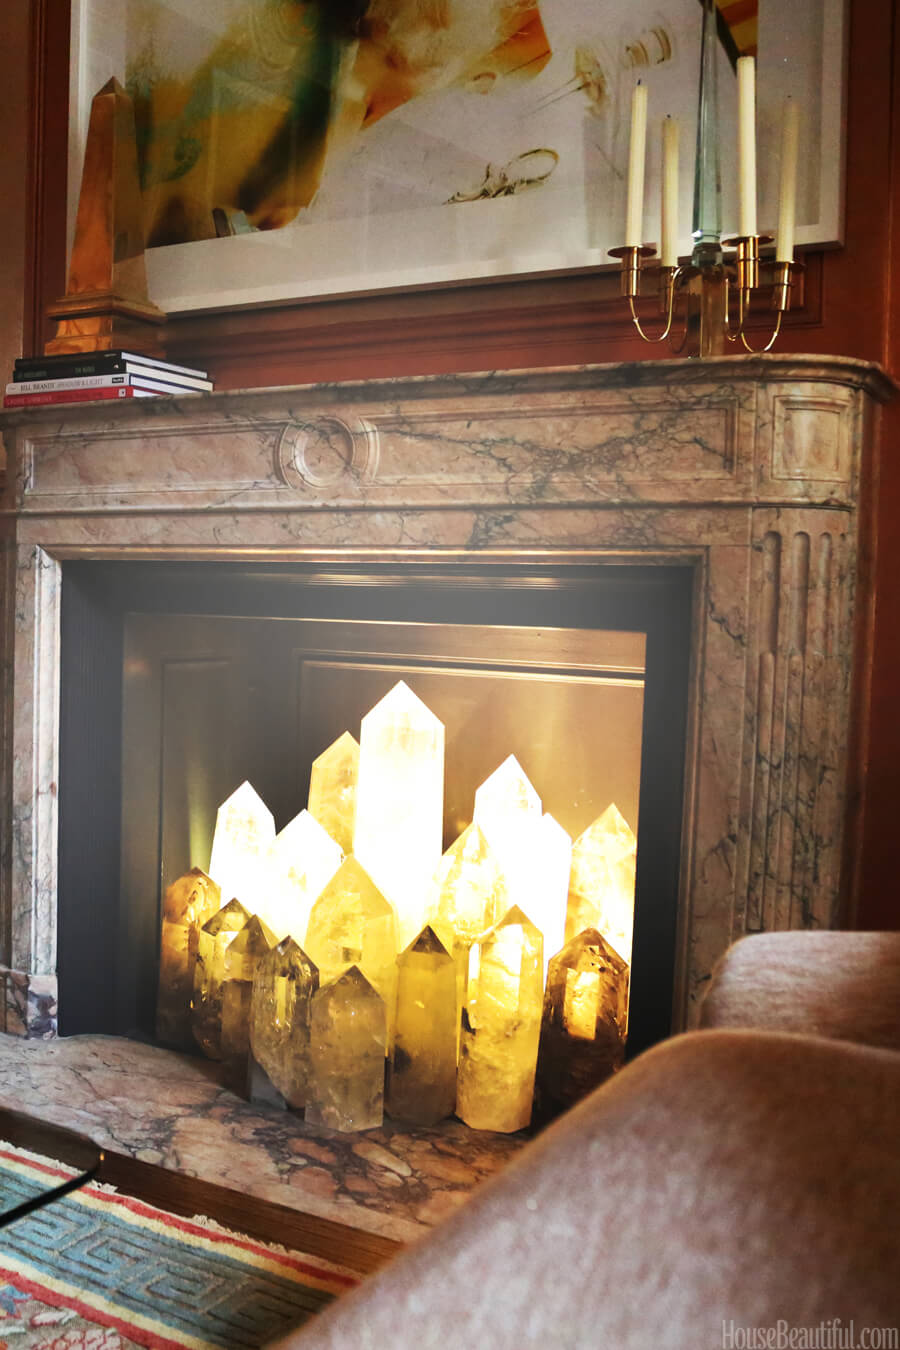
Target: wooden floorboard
[
  {"x": 187, "y": 1196},
  {"x": 261, "y": 1219}
]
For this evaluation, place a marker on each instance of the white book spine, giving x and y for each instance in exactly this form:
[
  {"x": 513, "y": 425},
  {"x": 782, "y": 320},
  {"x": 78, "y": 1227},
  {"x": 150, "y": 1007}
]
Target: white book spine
[{"x": 75, "y": 382}]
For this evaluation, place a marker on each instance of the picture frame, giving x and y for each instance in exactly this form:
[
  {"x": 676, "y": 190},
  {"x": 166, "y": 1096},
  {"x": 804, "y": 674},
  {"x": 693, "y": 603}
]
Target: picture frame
[{"x": 462, "y": 183}]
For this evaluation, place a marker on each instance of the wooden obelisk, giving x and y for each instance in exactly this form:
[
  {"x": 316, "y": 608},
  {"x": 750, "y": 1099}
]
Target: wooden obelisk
[{"x": 106, "y": 304}]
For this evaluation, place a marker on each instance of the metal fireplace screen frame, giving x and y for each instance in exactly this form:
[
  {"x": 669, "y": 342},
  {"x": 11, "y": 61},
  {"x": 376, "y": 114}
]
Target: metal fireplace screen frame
[{"x": 109, "y": 924}]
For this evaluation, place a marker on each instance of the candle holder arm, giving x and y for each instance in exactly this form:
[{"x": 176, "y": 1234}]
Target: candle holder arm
[
  {"x": 631, "y": 259},
  {"x": 781, "y": 300},
  {"x": 668, "y": 281}
]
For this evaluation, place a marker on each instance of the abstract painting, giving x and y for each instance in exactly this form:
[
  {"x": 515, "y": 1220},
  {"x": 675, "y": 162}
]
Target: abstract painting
[{"x": 295, "y": 148}]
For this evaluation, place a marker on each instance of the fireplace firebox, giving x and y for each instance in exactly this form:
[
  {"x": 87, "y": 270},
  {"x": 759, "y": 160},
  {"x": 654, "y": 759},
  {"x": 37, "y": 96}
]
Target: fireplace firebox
[{"x": 178, "y": 681}]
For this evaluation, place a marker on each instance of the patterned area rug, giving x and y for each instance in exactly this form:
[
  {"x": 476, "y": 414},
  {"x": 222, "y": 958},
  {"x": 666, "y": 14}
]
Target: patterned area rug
[{"x": 102, "y": 1271}]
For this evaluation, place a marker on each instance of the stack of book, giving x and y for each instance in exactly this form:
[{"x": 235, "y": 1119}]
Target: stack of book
[{"x": 85, "y": 377}]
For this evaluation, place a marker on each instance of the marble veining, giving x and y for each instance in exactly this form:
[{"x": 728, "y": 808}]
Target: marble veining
[
  {"x": 171, "y": 1110},
  {"x": 745, "y": 469}
]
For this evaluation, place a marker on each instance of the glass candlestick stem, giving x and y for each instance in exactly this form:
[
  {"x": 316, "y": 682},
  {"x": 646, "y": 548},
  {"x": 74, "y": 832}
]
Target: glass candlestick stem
[{"x": 707, "y": 217}]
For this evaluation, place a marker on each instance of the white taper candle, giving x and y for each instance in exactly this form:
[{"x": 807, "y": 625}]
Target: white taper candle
[
  {"x": 634, "y": 209},
  {"x": 787, "y": 195},
  {"x": 669, "y": 225},
  {"x": 746, "y": 78}
]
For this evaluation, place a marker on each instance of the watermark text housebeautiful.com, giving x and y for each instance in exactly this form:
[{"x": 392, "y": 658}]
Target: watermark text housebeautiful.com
[{"x": 830, "y": 1334}]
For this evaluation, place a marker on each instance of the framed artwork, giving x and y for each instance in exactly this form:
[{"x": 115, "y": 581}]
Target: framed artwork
[{"x": 295, "y": 149}]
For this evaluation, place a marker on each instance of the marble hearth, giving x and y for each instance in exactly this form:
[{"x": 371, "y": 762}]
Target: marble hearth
[{"x": 745, "y": 470}]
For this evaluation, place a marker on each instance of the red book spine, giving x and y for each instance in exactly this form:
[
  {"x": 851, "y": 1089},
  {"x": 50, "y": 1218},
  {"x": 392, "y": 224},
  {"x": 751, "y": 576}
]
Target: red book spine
[{"x": 68, "y": 396}]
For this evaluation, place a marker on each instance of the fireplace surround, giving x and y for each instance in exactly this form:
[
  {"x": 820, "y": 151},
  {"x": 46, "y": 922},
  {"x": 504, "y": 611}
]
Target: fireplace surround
[{"x": 745, "y": 472}]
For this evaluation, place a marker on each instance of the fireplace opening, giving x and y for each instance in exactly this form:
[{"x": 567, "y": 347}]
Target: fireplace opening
[{"x": 181, "y": 680}]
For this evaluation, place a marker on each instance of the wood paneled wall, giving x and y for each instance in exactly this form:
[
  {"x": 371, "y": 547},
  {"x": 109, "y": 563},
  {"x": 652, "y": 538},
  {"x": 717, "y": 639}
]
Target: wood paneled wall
[{"x": 851, "y": 305}]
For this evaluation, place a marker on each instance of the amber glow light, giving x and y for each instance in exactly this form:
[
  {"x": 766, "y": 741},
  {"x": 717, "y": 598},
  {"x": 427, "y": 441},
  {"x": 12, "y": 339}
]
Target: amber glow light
[
  {"x": 300, "y": 862},
  {"x": 438, "y": 962},
  {"x": 400, "y": 802},
  {"x": 245, "y": 831},
  {"x": 601, "y": 885}
]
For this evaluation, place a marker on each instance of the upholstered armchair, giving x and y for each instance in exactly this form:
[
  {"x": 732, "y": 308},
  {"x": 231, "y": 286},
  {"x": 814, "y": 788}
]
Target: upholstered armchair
[{"x": 745, "y": 1176}]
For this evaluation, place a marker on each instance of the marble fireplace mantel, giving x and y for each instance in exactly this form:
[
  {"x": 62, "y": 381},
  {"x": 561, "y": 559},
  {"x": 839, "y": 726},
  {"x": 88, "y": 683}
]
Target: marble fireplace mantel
[{"x": 746, "y": 469}]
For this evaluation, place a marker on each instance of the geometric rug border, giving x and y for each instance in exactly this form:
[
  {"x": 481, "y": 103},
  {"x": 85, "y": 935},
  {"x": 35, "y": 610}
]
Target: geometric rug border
[
  {"x": 247, "y": 1291},
  {"x": 40, "y": 1287}
]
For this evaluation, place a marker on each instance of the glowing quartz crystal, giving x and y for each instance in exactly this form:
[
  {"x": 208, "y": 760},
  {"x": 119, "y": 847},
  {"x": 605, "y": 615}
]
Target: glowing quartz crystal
[
  {"x": 245, "y": 831},
  {"x": 399, "y": 802},
  {"x": 352, "y": 924},
  {"x": 332, "y": 789},
  {"x": 347, "y": 1039},
  {"x": 533, "y": 850},
  {"x": 283, "y": 986},
  {"x": 501, "y": 1026},
  {"x": 189, "y": 902},
  {"x": 242, "y": 956},
  {"x": 302, "y": 859},
  {"x": 468, "y": 895},
  {"x": 601, "y": 888},
  {"x": 508, "y": 810},
  {"x": 469, "y": 891},
  {"x": 584, "y": 1022},
  {"x": 422, "y": 1071},
  {"x": 208, "y": 947},
  {"x": 545, "y": 892}
]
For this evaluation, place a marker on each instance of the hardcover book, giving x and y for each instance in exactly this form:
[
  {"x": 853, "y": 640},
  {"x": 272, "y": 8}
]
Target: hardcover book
[
  {"x": 75, "y": 396},
  {"x": 70, "y": 365}
]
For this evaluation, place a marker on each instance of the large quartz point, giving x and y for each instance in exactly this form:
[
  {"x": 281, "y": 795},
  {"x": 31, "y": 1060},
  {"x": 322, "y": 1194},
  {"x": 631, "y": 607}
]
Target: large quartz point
[
  {"x": 508, "y": 811},
  {"x": 189, "y": 902},
  {"x": 347, "y": 1039},
  {"x": 469, "y": 891},
  {"x": 332, "y": 789},
  {"x": 283, "y": 987},
  {"x": 242, "y": 957},
  {"x": 533, "y": 850},
  {"x": 584, "y": 1022},
  {"x": 469, "y": 894},
  {"x": 352, "y": 924},
  {"x": 208, "y": 947},
  {"x": 545, "y": 895},
  {"x": 400, "y": 802},
  {"x": 245, "y": 831},
  {"x": 302, "y": 860},
  {"x": 501, "y": 1026},
  {"x": 507, "y": 796},
  {"x": 601, "y": 887},
  {"x": 422, "y": 1069}
]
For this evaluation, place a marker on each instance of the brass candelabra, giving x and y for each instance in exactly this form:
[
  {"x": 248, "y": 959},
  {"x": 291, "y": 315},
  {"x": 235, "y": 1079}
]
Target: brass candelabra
[{"x": 707, "y": 283}]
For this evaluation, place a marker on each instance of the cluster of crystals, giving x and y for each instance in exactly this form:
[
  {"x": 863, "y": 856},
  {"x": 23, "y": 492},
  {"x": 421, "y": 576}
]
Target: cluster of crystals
[{"x": 353, "y": 969}]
